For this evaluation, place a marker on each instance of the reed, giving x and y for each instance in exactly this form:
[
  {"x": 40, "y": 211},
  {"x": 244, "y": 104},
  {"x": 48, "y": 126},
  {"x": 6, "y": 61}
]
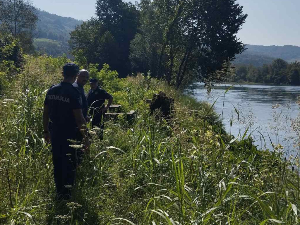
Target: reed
[{"x": 187, "y": 170}]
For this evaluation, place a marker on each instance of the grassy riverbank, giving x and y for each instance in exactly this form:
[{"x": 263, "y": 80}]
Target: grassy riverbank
[{"x": 185, "y": 171}]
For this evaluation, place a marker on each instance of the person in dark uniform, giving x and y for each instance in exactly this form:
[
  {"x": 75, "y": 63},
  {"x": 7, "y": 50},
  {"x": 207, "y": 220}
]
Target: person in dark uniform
[
  {"x": 82, "y": 79},
  {"x": 63, "y": 109},
  {"x": 96, "y": 99}
]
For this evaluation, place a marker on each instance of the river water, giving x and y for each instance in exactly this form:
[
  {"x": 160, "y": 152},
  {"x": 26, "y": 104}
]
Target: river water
[{"x": 268, "y": 113}]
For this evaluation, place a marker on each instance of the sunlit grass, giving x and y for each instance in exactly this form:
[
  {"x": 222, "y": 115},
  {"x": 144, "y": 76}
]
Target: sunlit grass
[{"x": 183, "y": 171}]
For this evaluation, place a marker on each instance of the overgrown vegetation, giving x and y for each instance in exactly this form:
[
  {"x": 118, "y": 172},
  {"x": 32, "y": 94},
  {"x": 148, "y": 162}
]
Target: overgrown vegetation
[
  {"x": 11, "y": 60},
  {"x": 183, "y": 171}
]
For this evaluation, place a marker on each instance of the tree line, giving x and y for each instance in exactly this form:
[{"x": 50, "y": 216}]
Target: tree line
[
  {"x": 279, "y": 72},
  {"x": 174, "y": 40},
  {"x": 178, "y": 41}
]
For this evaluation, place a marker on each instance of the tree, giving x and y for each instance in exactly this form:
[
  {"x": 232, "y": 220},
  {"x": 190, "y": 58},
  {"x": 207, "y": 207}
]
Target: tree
[
  {"x": 145, "y": 47},
  {"x": 10, "y": 53},
  {"x": 11, "y": 59},
  {"x": 295, "y": 77},
  {"x": 294, "y": 73},
  {"x": 121, "y": 20},
  {"x": 241, "y": 73},
  {"x": 279, "y": 72},
  {"x": 18, "y": 17},
  {"x": 91, "y": 43},
  {"x": 265, "y": 71},
  {"x": 196, "y": 38},
  {"x": 109, "y": 12},
  {"x": 106, "y": 39},
  {"x": 253, "y": 74}
]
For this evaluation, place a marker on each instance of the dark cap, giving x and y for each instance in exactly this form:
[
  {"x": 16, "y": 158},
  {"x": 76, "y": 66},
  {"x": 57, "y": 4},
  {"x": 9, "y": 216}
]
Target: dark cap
[
  {"x": 93, "y": 80},
  {"x": 70, "y": 69}
]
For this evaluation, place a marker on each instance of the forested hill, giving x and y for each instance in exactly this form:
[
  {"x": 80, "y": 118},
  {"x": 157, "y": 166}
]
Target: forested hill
[
  {"x": 257, "y": 55},
  {"x": 287, "y": 52},
  {"x": 53, "y": 32}
]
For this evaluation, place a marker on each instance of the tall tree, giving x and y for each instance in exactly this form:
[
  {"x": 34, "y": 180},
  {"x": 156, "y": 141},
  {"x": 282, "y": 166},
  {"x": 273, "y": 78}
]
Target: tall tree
[
  {"x": 145, "y": 47},
  {"x": 109, "y": 12},
  {"x": 295, "y": 77},
  {"x": 197, "y": 38},
  {"x": 106, "y": 39},
  {"x": 91, "y": 43},
  {"x": 294, "y": 73},
  {"x": 121, "y": 20},
  {"x": 279, "y": 72},
  {"x": 18, "y": 17}
]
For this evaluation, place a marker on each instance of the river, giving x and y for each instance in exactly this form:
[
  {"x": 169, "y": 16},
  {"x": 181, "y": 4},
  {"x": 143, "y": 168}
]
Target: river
[{"x": 267, "y": 113}]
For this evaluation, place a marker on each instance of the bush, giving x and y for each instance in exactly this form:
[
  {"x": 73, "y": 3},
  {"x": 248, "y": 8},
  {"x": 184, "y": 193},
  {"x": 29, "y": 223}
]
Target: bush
[{"x": 11, "y": 59}]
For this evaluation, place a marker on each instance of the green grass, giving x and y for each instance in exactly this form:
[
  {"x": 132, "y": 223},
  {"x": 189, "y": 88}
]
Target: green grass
[
  {"x": 50, "y": 47},
  {"x": 37, "y": 40},
  {"x": 183, "y": 171}
]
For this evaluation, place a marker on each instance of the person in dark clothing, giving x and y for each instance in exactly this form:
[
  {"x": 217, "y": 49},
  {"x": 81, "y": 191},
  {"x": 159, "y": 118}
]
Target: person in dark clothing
[
  {"x": 96, "y": 99},
  {"x": 82, "y": 79},
  {"x": 163, "y": 104},
  {"x": 63, "y": 109}
]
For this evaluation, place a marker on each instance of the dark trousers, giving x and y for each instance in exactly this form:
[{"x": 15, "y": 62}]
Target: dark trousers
[
  {"x": 65, "y": 160},
  {"x": 97, "y": 121}
]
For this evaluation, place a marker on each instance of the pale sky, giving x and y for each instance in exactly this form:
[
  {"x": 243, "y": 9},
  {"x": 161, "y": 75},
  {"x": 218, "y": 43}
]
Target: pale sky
[{"x": 269, "y": 22}]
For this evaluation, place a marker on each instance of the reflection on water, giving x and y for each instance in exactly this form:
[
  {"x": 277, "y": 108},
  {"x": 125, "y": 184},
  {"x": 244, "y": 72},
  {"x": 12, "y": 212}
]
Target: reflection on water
[{"x": 266, "y": 112}]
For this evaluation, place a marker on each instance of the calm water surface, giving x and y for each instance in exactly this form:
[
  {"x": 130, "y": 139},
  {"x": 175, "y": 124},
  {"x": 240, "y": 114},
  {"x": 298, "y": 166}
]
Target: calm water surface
[{"x": 268, "y": 113}]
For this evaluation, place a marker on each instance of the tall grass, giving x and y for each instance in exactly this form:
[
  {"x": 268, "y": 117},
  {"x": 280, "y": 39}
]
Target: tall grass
[{"x": 183, "y": 171}]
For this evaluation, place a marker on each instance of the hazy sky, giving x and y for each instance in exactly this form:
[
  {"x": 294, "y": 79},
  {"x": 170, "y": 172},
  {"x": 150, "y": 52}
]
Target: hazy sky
[{"x": 269, "y": 22}]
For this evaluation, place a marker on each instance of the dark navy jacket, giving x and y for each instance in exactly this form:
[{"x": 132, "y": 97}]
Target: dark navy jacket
[
  {"x": 61, "y": 100},
  {"x": 96, "y": 99}
]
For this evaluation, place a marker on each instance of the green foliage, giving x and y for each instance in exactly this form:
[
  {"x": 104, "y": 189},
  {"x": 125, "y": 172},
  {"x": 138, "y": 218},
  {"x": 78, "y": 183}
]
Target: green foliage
[
  {"x": 294, "y": 73},
  {"x": 279, "y": 73},
  {"x": 108, "y": 79},
  {"x": 90, "y": 43},
  {"x": 50, "y": 47},
  {"x": 93, "y": 70},
  {"x": 11, "y": 59},
  {"x": 181, "y": 41},
  {"x": 106, "y": 38},
  {"x": 186, "y": 170},
  {"x": 10, "y": 50},
  {"x": 18, "y": 18},
  {"x": 169, "y": 42},
  {"x": 279, "y": 67}
]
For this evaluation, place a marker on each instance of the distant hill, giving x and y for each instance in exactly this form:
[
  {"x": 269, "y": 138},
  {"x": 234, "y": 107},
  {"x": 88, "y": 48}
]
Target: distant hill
[
  {"x": 257, "y": 55},
  {"x": 51, "y": 47},
  {"x": 288, "y": 53},
  {"x": 53, "y": 32},
  {"x": 248, "y": 58}
]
